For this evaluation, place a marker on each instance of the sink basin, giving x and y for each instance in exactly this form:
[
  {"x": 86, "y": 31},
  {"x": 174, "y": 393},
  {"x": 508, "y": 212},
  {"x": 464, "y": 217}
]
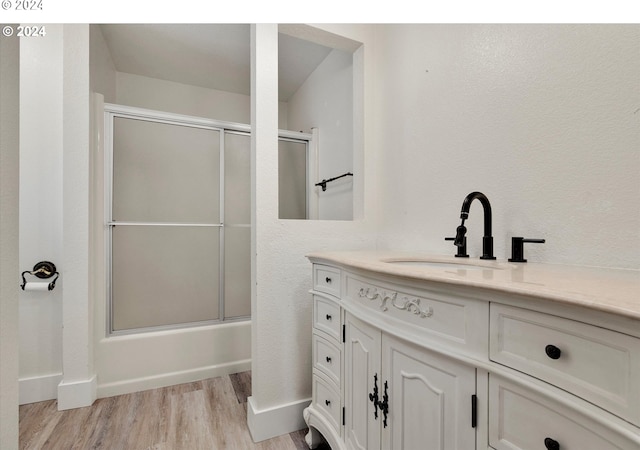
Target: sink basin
[{"x": 440, "y": 264}]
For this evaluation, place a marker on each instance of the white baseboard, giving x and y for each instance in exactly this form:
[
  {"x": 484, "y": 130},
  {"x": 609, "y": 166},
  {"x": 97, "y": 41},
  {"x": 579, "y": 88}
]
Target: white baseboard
[
  {"x": 172, "y": 378},
  {"x": 39, "y": 389},
  {"x": 283, "y": 419},
  {"x": 76, "y": 394}
]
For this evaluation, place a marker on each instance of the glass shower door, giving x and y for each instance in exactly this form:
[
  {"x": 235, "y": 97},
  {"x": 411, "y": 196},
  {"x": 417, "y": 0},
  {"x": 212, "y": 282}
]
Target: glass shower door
[
  {"x": 237, "y": 225},
  {"x": 165, "y": 224}
]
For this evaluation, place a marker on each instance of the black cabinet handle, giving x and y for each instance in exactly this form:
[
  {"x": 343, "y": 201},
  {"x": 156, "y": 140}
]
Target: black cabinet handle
[
  {"x": 328, "y": 280},
  {"x": 551, "y": 444},
  {"x": 328, "y": 359},
  {"x": 384, "y": 404},
  {"x": 328, "y": 402},
  {"x": 373, "y": 396},
  {"x": 552, "y": 351},
  {"x": 329, "y": 317}
]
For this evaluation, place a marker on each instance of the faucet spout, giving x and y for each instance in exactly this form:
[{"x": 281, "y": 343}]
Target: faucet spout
[
  {"x": 466, "y": 205},
  {"x": 487, "y": 239}
]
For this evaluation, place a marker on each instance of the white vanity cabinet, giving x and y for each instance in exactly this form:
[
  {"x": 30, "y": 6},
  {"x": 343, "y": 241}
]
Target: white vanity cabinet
[
  {"x": 429, "y": 361},
  {"x": 395, "y": 392},
  {"x": 400, "y": 395},
  {"x": 362, "y": 378},
  {"x": 325, "y": 414}
]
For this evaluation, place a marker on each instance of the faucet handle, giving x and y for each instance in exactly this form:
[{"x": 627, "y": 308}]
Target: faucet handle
[
  {"x": 460, "y": 234},
  {"x": 517, "y": 248},
  {"x": 462, "y": 249}
]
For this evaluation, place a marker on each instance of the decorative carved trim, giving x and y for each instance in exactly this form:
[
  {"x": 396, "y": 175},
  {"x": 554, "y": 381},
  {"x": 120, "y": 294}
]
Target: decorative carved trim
[
  {"x": 384, "y": 297},
  {"x": 411, "y": 305}
]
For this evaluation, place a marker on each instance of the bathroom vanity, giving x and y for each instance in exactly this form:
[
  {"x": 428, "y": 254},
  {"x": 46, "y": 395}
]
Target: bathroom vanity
[{"x": 417, "y": 352}]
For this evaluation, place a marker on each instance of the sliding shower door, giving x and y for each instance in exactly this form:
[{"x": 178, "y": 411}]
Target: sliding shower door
[
  {"x": 173, "y": 260},
  {"x": 293, "y": 179},
  {"x": 237, "y": 224}
]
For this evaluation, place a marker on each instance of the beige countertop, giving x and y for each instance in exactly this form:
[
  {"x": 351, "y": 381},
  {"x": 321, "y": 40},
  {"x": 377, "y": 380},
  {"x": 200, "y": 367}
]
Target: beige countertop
[{"x": 612, "y": 290}]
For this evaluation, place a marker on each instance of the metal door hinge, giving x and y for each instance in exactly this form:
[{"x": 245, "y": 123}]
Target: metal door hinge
[
  {"x": 343, "y": 415},
  {"x": 344, "y": 334}
]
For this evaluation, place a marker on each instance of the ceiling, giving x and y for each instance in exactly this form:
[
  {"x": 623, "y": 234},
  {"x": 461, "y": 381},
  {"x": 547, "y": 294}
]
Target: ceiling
[{"x": 215, "y": 56}]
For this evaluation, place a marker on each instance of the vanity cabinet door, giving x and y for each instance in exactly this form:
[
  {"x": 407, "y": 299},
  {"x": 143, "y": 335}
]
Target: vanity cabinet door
[
  {"x": 430, "y": 399},
  {"x": 424, "y": 400},
  {"x": 362, "y": 372}
]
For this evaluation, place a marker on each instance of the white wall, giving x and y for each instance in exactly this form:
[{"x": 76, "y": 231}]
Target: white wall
[
  {"x": 103, "y": 70},
  {"x": 9, "y": 232},
  {"x": 325, "y": 101},
  {"x": 541, "y": 118},
  {"x": 281, "y": 305},
  {"x": 178, "y": 98},
  {"x": 161, "y": 95},
  {"x": 78, "y": 385},
  {"x": 54, "y": 109},
  {"x": 41, "y": 112}
]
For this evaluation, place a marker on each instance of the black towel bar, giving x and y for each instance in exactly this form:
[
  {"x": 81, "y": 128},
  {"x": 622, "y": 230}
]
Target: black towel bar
[{"x": 323, "y": 183}]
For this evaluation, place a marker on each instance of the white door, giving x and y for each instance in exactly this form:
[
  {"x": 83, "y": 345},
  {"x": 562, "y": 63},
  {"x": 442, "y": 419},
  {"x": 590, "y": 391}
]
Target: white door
[
  {"x": 430, "y": 405},
  {"x": 362, "y": 370}
]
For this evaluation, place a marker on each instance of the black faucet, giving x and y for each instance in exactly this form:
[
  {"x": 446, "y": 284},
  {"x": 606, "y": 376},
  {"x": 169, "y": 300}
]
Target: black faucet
[{"x": 487, "y": 239}]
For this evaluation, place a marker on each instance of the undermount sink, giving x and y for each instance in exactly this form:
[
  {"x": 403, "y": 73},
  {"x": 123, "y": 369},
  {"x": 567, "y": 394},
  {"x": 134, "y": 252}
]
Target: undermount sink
[{"x": 440, "y": 264}]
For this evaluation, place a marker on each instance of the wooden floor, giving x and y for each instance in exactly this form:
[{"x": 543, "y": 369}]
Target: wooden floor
[{"x": 209, "y": 414}]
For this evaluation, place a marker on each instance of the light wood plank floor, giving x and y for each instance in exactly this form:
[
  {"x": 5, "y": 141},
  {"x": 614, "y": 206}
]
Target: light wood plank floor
[{"x": 203, "y": 415}]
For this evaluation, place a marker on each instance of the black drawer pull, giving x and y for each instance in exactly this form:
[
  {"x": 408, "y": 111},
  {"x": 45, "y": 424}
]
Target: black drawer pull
[
  {"x": 328, "y": 280},
  {"x": 551, "y": 444},
  {"x": 328, "y": 403},
  {"x": 552, "y": 351},
  {"x": 329, "y": 359},
  {"x": 328, "y": 316}
]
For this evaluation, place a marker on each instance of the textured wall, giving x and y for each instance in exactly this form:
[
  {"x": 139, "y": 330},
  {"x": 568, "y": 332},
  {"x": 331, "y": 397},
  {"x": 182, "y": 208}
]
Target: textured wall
[
  {"x": 541, "y": 118},
  {"x": 281, "y": 305}
]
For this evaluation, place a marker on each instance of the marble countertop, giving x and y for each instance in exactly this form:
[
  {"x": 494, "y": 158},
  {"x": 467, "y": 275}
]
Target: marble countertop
[{"x": 611, "y": 290}]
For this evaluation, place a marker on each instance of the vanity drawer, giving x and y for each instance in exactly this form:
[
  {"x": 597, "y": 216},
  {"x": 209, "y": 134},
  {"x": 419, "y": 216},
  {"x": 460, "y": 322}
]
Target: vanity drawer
[
  {"x": 326, "y": 279},
  {"x": 599, "y": 365},
  {"x": 326, "y": 317},
  {"x": 327, "y": 358},
  {"x": 327, "y": 400},
  {"x": 521, "y": 419},
  {"x": 439, "y": 316}
]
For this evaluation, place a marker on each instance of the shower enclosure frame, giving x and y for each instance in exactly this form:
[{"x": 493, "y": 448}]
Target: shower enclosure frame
[{"x": 113, "y": 111}]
